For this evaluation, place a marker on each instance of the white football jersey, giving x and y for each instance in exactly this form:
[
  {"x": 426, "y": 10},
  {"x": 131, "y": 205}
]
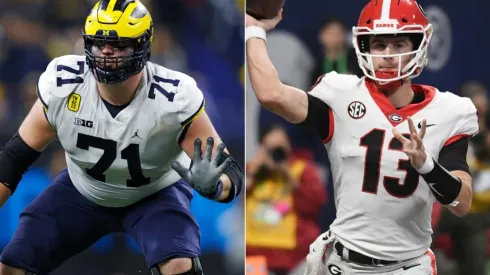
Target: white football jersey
[
  {"x": 116, "y": 162},
  {"x": 383, "y": 205}
]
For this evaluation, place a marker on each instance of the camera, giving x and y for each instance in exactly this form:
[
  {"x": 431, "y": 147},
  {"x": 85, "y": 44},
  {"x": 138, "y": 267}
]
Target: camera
[{"x": 278, "y": 154}]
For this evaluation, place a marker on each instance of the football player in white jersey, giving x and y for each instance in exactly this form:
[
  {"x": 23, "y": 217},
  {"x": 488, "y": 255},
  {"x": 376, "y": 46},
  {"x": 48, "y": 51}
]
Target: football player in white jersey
[
  {"x": 386, "y": 173},
  {"x": 129, "y": 128}
]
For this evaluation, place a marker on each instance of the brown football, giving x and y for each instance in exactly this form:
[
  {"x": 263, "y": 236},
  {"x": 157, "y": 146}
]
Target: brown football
[{"x": 264, "y": 9}]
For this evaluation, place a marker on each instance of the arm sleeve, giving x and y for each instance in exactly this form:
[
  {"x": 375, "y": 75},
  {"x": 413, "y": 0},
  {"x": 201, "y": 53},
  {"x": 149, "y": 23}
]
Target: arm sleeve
[
  {"x": 320, "y": 116},
  {"x": 453, "y": 156}
]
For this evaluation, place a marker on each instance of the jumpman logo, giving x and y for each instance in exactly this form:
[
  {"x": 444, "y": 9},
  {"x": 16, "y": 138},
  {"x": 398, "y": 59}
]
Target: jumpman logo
[{"x": 136, "y": 134}]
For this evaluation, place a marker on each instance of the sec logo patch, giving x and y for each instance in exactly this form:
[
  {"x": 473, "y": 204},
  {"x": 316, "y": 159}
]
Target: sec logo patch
[
  {"x": 74, "y": 102},
  {"x": 356, "y": 110}
]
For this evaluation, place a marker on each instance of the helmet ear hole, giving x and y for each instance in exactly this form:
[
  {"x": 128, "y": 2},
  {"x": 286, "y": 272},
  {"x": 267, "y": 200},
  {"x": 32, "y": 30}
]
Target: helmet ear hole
[
  {"x": 363, "y": 41},
  {"x": 416, "y": 39}
]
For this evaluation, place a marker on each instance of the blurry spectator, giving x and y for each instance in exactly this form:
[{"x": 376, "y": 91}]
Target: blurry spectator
[
  {"x": 479, "y": 95},
  {"x": 167, "y": 52},
  {"x": 284, "y": 197},
  {"x": 468, "y": 234},
  {"x": 336, "y": 55}
]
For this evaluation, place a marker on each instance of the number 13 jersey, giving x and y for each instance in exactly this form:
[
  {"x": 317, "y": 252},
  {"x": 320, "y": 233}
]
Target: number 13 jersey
[
  {"x": 383, "y": 206},
  {"x": 117, "y": 161}
]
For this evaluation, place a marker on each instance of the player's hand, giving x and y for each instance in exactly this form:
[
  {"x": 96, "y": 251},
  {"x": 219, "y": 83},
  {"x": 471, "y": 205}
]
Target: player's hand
[
  {"x": 204, "y": 173},
  {"x": 413, "y": 147},
  {"x": 266, "y": 24}
]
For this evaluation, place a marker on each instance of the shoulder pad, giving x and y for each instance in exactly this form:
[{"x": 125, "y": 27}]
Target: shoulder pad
[
  {"x": 465, "y": 112},
  {"x": 188, "y": 97},
  {"x": 327, "y": 86},
  {"x": 63, "y": 75},
  {"x": 341, "y": 81},
  {"x": 172, "y": 81}
]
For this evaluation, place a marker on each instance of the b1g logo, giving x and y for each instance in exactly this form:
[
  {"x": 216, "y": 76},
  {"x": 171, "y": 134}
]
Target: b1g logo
[
  {"x": 335, "y": 270},
  {"x": 356, "y": 110},
  {"x": 83, "y": 122}
]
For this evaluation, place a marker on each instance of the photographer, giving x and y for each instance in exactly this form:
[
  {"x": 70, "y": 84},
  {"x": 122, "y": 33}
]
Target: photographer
[{"x": 284, "y": 197}]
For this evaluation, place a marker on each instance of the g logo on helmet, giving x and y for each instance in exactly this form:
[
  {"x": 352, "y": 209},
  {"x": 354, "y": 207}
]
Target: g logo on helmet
[{"x": 335, "y": 270}]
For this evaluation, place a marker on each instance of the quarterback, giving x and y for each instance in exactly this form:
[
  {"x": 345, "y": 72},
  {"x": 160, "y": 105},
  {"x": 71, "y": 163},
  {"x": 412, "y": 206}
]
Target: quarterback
[
  {"x": 395, "y": 147},
  {"x": 129, "y": 128}
]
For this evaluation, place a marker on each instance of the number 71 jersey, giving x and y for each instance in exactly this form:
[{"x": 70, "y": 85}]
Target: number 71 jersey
[
  {"x": 383, "y": 205},
  {"x": 117, "y": 161}
]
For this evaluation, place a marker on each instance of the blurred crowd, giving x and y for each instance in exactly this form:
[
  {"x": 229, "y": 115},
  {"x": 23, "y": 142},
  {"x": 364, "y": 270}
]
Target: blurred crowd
[
  {"x": 203, "y": 38},
  {"x": 275, "y": 199}
]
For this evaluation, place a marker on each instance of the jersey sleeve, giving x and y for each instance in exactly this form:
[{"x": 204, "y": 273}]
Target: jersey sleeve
[
  {"x": 61, "y": 77},
  {"x": 320, "y": 116},
  {"x": 43, "y": 91},
  {"x": 191, "y": 104},
  {"x": 467, "y": 124}
]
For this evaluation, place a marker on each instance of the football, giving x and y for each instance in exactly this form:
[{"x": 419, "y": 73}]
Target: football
[{"x": 264, "y": 9}]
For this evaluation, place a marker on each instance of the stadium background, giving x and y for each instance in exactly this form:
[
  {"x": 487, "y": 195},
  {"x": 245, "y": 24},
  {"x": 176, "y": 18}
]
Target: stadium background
[
  {"x": 456, "y": 55},
  {"x": 203, "y": 38}
]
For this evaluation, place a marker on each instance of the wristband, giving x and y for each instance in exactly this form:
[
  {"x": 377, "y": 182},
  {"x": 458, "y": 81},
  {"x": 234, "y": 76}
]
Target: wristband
[
  {"x": 254, "y": 31},
  {"x": 444, "y": 186},
  {"x": 427, "y": 166}
]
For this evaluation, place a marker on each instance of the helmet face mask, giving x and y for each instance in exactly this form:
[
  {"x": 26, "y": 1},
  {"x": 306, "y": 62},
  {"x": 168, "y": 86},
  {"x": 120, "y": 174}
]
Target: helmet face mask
[
  {"x": 128, "y": 32},
  {"x": 392, "y": 18}
]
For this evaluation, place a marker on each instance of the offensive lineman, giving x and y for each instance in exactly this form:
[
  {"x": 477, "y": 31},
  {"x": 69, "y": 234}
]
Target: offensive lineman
[
  {"x": 383, "y": 198},
  {"x": 127, "y": 127}
]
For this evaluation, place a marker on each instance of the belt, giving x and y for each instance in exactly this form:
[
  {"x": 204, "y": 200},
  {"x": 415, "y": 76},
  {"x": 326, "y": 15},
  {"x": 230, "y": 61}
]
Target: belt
[{"x": 360, "y": 258}]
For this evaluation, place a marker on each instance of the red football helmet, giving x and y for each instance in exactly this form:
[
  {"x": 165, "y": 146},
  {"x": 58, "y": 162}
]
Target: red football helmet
[{"x": 392, "y": 17}]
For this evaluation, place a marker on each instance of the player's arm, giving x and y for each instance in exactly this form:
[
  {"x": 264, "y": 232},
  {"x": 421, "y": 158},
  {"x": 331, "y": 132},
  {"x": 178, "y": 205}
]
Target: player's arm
[
  {"x": 453, "y": 158},
  {"x": 232, "y": 177},
  {"x": 448, "y": 178},
  {"x": 286, "y": 101},
  {"x": 453, "y": 188},
  {"x": 23, "y": 149}
]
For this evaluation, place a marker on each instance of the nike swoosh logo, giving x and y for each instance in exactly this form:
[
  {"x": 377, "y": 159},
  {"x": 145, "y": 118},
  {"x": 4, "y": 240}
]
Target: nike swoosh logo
[
  {"x": 408, "y": 267},
  {"x": 420, "y": 125},
  {"x": 431, "y": 185}
]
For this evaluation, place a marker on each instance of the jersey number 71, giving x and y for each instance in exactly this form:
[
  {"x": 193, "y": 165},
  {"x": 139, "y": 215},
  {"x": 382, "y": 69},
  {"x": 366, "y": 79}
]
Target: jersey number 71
[{"x": 130, "y": 153}]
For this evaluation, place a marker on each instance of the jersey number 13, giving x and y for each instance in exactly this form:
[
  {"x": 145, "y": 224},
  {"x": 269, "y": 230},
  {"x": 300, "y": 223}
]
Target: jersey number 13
[{"x": 373, "y": 141}]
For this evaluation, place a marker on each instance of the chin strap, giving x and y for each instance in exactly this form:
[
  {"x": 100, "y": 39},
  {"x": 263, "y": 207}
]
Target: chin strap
[
  {"x": 390, "y": 85},
  {"x": 195, "y": 270}
]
